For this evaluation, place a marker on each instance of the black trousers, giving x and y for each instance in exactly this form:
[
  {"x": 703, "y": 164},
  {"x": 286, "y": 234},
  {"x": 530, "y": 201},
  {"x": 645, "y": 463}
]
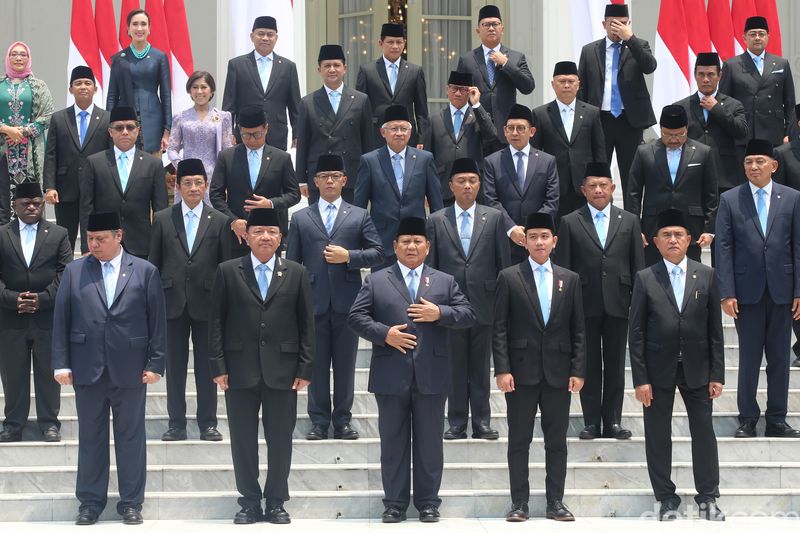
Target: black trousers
[
  {"x": 658, "y": 441},
  {"x": 178, "y": 331},
  {"x": 410, "y": 424},
  {"x": 470, "y": 351},
  {"x": 19, "y": 348},
  {"x": 337, "y": 345},
  {"x": 604, "y": 387},
  {"x": 278, "y": 416},
  {"x": 127, "y": 405},
  {"x": 623, "y": 138},
  {"x": 68, "y": 216},
  {"x": 764, "y": 328},
  {"x": 522, "y": 405}
]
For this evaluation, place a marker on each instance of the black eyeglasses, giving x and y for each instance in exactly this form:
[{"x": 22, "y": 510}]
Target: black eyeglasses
[{"x": 119, "y": 128}]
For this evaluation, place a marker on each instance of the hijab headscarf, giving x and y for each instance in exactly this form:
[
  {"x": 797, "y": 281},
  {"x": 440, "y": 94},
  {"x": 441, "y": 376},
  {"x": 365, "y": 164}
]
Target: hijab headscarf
[{"x": 10, "y": 72}]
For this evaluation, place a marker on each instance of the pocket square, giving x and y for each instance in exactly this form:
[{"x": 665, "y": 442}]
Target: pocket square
[
  {"x": 779, "y": 71},
  {"x": 694, "y": 164}
]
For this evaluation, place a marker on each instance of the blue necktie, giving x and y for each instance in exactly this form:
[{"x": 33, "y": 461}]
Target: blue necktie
[
  {"x": 600, "y": 226},
  {"x": 567, "y": 119},
  {"x": 123, "y": 170},
  {"x": 393, "y": 76},
  {"x": 544, "y": 297},
  {"x": 263, "y": 64},
  {"x": 616, "y": 99},
  {"x": 705, "y": 115},
  {"x": 109, "y": 282},
  {"x": 263, "y": 282},
  {"x": 465, "y": 232},
  {"x": 397, "y": 166},
  {"x": 253, "y": 165},
  {"x": 28, "y": 242},
  {"x": 759, "y": 61},
  {"x": 457, "y": 119},
  {"x": 521, "y": 169},
  {"x": 330, "y": 218},
  {"x": 412, "y": 285},
  {"x": 490, "y": 66},
  {"x": 82, "y": 126},
  {"x": 761, "y": 209},
  {"x": 677, "y": 285},
  {"x": 335, "y": 101},
  {"x": 191, "y": 229},
  {"x": 673, "y": 160}
]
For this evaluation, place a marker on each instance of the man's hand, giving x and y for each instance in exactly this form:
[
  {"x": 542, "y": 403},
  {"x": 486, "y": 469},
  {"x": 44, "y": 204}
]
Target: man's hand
[
  {"x": 64, "y": 379},
  {"x": 730, "y": 306},
  {"x": 575, "y": 384},
  {"x": 705, "y": 240},
  {"x": 474, "y": 96},
  {"x": 424, "y": 311},
  {"x": 51, "y": 196},
  {"x": 257, "y": 202},
  {"x": 294, "y": 143},
  {"x": 402, "y": 341},
  {"x": 518, "y": 236},
  {"x": 621, "y": 29},
  {"x": 27, "y": 302},
  {"x": 239, "y": 228},
  {"x": 505, "y": 382},
  {"x": 304, "y": 191},
  {"x": 796, "y": 309},
  {"x": 644, "y": 240},
  {"x": 499, "y": 58},
  {"x": 150, "y": 378},
  {"x": 165, "y": 141},
  {"x": 300, "y": 384},
  {"x": 336, "y": 254},
  {"x": 707, "y": 102},
  {"x": 786, "y": 139},
  {"x": 222, "y": 381},
  {"x": 420, "y": 146},
  {"x": 714, "y": 390},
  {"x": 644, "y": 393}
]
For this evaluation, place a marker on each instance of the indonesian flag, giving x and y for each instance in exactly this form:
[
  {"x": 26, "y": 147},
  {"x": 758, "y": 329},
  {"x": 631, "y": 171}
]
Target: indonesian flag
[
  {"x": 698, "y": 32},
  {"x": 720, "y": 27},
  {"x": 769, "y": 10},
  {"x": 587, "y": 17},
  {"x": 672, "y": 79},
  {"x": 182, "y": 62},
  {"x": 83, "y": 45},
  {"x": 127, "y": 7},
  {"x": 740, "y": 11}
]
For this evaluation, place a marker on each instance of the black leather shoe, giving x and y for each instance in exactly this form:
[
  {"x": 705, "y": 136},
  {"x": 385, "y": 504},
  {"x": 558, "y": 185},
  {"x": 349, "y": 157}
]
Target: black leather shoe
[
  {"x": 346, "y": 432},
  {"x": 429, "y": 514},
  {"x": 782, "y": 430},
  {"x": 796, "y": 363},
  {"x": 277, "y": 515},
  {"x": 248, "y": 515},
  {"x": 668, "y": 510},
  {"x": 558, "y": 511},
  {"x": 131, "y": 516},
  {"x": 485, "y": 432},
  {"x": 393, "y": 515},
  {"x": 51, "y": 434},
  {"x": 211, "y": 434},
  {"x": 710, "y": 511},
  {"x": 86, "y": 517},
  {"x": 589, "y": 432},
  {"x": 174, "y": 434},
  {"x": 317, "y": 432},
  {"x": 518, "y": 512},
  {"x": 747, "y": 430},
  {"x": 616, "y": 431},
  {"x": 10, "y": 436},
  {"x": 456, "y": 433}
]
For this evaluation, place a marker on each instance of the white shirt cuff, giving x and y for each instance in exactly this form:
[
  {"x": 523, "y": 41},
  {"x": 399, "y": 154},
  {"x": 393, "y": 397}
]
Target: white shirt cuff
[{"x": 59, "y": 371}]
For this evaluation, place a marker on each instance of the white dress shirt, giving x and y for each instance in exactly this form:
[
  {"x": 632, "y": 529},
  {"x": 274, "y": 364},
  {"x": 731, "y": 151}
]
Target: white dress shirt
[
  {"x": 754, "y": 191},
  {"x": 548, "y": 276},
  {"x": 561, "y": 107},
  {"x": 339, "y": 90},
  {"x": 129, "y": 162},
  {"x": 270, "y": 58},
  {"x": 270, "y": 267},
  {"x": 78, "y": 111},
  {"x": 682, "y": 266},
  {"x": 388, "y": 65},
  {"x": 527, "y": 151},
  {"x": 761, "y": 56},
  {"x": 606, "y": 105},
  {"x": 470, "y": 211},
  {"x": 197, "y": 210},
  {"x": 27, "y": 250},
  {"x": 487, "y": 50},
  {"x": 404, "y": 270},
  {"x": 402, "y": 154},
  {"x": 322, "y": 206}
]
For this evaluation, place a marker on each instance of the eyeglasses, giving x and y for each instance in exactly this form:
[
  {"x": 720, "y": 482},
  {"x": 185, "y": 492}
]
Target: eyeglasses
[
  {"x": 676, "y": 136},
  {"x": 192, "y": 183},
  {"x": 256, "y": 135},
  {"x": 119, "y": 128},
  {"x": 335, "y": 176},
  {"x": 18, "y": 54},
  {"x": 458, "y": 88},
  {"x": 398, "y": 129},
  {"x": 488, "y": 25},
  {"x": 518, "y": 129}
]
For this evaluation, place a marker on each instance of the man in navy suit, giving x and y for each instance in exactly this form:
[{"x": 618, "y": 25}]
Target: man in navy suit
[
  {"x": 334, "y": 241},
  {"x": 109, "y": 341},
  {"x": 758, "y": 269},
  {"x": 396, "y": 179},
  {"x": 406, "y": 311}
]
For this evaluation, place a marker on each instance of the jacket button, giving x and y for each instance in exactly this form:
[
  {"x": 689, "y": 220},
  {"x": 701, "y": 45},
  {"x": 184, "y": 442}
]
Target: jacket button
[
  {"x": 189, "y": 262},
  {"x": 263, "y": 325},
  {"x": 466, "y": 265},
  {"x": 263, "y": 343}
]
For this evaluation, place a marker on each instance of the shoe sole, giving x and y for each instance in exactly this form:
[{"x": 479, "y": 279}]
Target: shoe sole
[
  {"x": 280, "y": 522},
  {"x": 346, "y": 437},
  {"x": 429, "y": 520},
  {"x": 132, "y": 522},
  {"x": 561, "y": 519},
  {"x": 211, "y": 439},
  {"x": 392, "y": 520},
  {"x": 454, "y": 437},
  {"x": 516, "y": 519},
  {"x": 239, "y": 521},
  {"x": 486, "y": 437}
]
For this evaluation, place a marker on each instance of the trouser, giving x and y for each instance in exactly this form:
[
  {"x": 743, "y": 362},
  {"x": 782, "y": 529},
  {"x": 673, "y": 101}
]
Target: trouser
[
  {"x": 604, "y": 387},
  {"x": 623, "y": 138},
  {"x": 470, "y": 351},
  {"x": 68, "y": 216}
]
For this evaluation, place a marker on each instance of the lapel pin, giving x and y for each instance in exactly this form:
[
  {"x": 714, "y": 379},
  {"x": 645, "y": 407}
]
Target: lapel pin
[
  {"x": 123, "y": 274},
  {"x": 413, "y": 157},
  {"x": 280, "y": 274},
  {"x": 267, "y": 158},
  {"x": 209, "y": 217},
  {"x": 778, "y": 196},
  {"x": 427, "y": 281},
  {"x": 279, "y": 61},
  {"x": 581, "y": 117},
  {"x": 694, "y": 276},
  {"x": 537, "y": 154},
  {"x": 693, "y": 148},
  {"x": 122, "y": 54},
  {"x": 560, "y": 285},
  {"x": 483, "y": 218},
  {"x": 140, "y": 158},
  {"x": 619, "y": 215},
  {"x": 97, "y": 118}
]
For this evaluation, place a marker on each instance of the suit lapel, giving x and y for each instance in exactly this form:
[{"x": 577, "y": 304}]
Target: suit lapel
[
  {"x": 386, "y": 164},
  {"x": 507, "y": 160},
  {"x": 180, "y": 228},
  {"x": 451, "y": 225},
  {"x": 112, "y": 164},
  {"x": 600, "y": 52},
  {"x": 345, "y": 103},
  {"x": 588, "y": 226},
  {"x": 690, "y": 282},
  {"x": 276, "y": 281},
  {"x": 133, "y": 175},
  {"x": 687, "y": 156},
  {"x": 748, "y": 207},
  {"x": 577, "y": 121},
  {"x": 660, "y": 156},
  {"x": 402, "y": 75},
  {"x": 125, "y": 273},
  {"x": 447, "y": 120},
  {"x": 425, "y": 282},
  {"x": 266, "y": 157},
  {"x": 342, "y": 213},
  {"x": 559, "y": 285},
  {"x": 95, "y": 272},
  {"x": 533, "y": 161},
  {"x": 240, "y": 164},
  {"x": 481, "y": 62},
  {"x": 316, "y": 218},
  {"x": 380, "y": 68},
  {"x": 42, "y": 232},
  {"x": 275, "y": 75},
  {"x": 749, "y": 67},
  {"x": 395, "y": 277},
  {"x": 323, "y": 107},
  {"x": 526, "y": 278},
  {"x": 202, "y": 227},
  {"x": 249, "y": 277},
  {"x": 697, "y": 111},
  {"x": 555, "y": 118},
  {"x": 72, "y": 126},
  {"x": 252, "y": 68},
  {"x": 408, "y": 171},
  {"x": 614, "y": 222},
  {"x": 774, "y": 207},
  {"x": 16, "y": 240},
  {"x": 662, "y": 276},
  {"x": 769, "y": 66},
  {"x": 478, "y": 225},
  {"x": 91, "y": 129}
]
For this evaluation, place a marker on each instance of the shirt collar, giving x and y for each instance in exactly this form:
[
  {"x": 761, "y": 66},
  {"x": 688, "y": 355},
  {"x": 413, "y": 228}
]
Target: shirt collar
[
  {"x": 606, "y": 211},
  {"x": 486, "y": 49},
  {"x": 767, "y": 188},
  {"x": 259, "y": 151},
  {"x": 386, "y": 63},
  {"x": 116, "y": 261},
  {"x": 270, "y": 56},
  {"x": 130, "y": 153},
  {"x": 78, "y": 111},
  {"x": 323, "y": 204},
  {"x": 701, "y": 95},
  {"x": 562, "y": 105},
  {"x": 670, "y": 266},
  {"x": 404, "y": 270},
  {"x": 753, "y": 56},
  {"x": 198, "y": 209},
  {"x": 471, "y": 210},
  {"x": 256, "y": 263},
  {"x": 401, "y": 153},
  {"x": 339, "y": 89},
  {"x": 525, "y": 150},
  {"x": 534, "y": 265},
  {"x": 22, "y": 225},
  {"x": 453, "y": 108},
  {"x": 610, "y": 43}
]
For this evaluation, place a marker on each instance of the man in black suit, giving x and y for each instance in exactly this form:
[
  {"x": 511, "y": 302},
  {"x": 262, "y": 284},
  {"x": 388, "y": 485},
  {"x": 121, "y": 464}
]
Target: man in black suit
[
  {"x": 520, "y": 179},
  {"x": 539, "y": 359},
  {"x": 674, "y": 171},
  {"x": 264, "y": 79},
  {"x": 188, "y": 241},
  {"x": 334, "y": 241},
  {"x": 261, "y": 337},
  {"x": 468, "y": 241},
  {"x": 763, "y": 83},
  {"x": 612, "y": 73},
  {"x": 407, "y": 311},
  {"x": 497, "y": 71},
  {"x": 334, "y": 119},
  {"x": 74, "y": 134},
  {"x": 392, "y": 80},
  {"x": 124, "y": 180},
  {"x": 603, "y": 244},
  {"x": 676, "y": 341},
  {"x": 253, "y": 175},
  {"x": 33, "y": 254},
  {"x": 569, "y": 130}
]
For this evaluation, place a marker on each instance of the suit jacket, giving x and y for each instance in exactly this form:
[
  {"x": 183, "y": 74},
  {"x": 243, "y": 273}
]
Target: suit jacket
[
  {"x": 768, "y": 99},
  {"x": 252, "y": 339},
  {"x": 126, "y": 339},
  {"x": 382, "y": 303},
  {"x": 726, "y": 125},
  {"x": 65, "y": 157},
  {"x": 635, "y": 60},
  {"x": 320, "y": 131},
  {"x": 748, "y": 262},
  {"x": 606, "y": 271},
  {"x": 650, "y": 187},
  {"x": 410, "y": 92},
  {"x": 522, "y": 344},
  {"x": 230, "y": 183},
  {"x": 788, "y": 157},
  {"x": 660, "y": 335},
  {"x": 477, "y": 137},
  {"x": 334, "y": 285},
  {"x": 243, "y": 89},
  {"x": 388, "y": 205},
  {"x": 512, "y": 77},
  {"x": 51, "y": 253},
  {"x": 101, "y": 191},
  {"x": 501, "y": 188},
  {"x": 586, "y": 143},
  {"x": 476, "y": 271},
  {"x": 187, "y": 277}
]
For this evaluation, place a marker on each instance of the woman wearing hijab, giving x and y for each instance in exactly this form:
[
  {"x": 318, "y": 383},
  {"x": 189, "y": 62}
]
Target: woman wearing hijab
[
  {"x": 25, "y": 109},
  {"x": 139, "y": 74},
  {"x": 200, "y": 132}
]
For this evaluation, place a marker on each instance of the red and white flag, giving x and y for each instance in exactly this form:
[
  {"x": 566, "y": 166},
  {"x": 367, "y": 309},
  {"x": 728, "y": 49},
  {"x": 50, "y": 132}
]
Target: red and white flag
[
  {"x": 181, "y": 46},
  {"x": 106, "y": 26},
  {"x": 769, "y": 10},
  {"x": 720, "y": 27},
  {"x": 741, "y": 10},
  {"x": 697, "y": 29},
  {"x": 672, "y": 79},
  {"x": 83, "y": 48}
]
